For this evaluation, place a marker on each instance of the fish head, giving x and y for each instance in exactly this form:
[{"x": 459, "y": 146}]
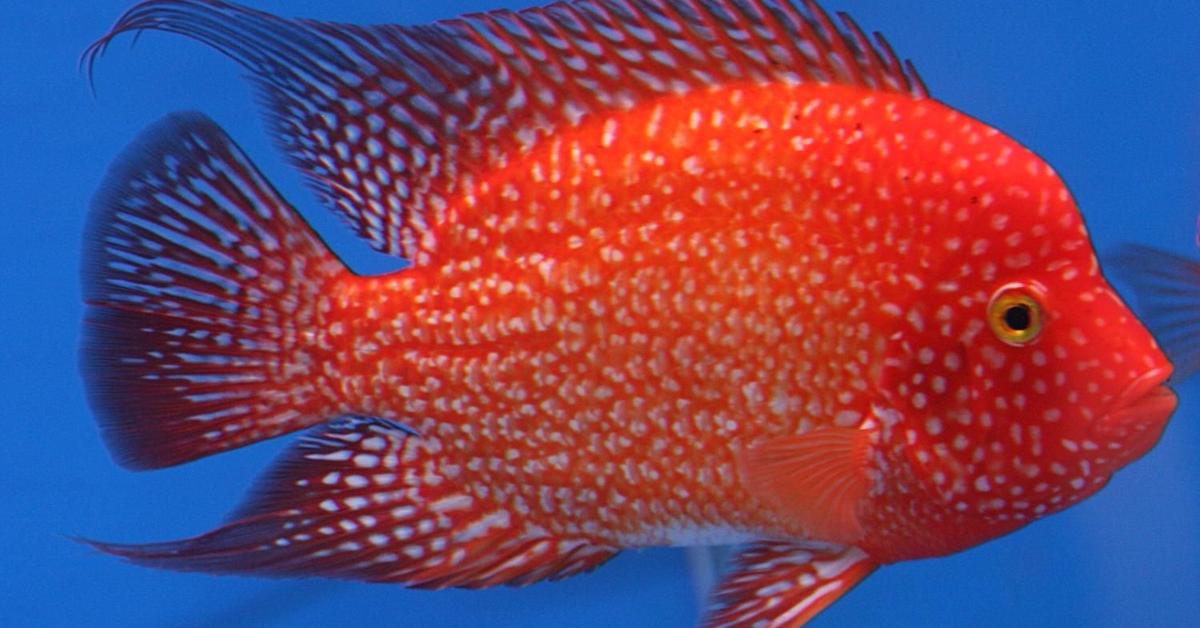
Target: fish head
[{"x": 1019, "y": 381}]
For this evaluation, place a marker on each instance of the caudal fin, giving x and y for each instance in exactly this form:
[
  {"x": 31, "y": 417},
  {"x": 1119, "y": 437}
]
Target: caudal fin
[{"x": 203, "y": 288}]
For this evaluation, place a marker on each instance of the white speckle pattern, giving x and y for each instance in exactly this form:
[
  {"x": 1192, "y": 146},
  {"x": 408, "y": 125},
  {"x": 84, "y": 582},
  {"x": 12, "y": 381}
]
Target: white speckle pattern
[{"x": 611, "y": 304}]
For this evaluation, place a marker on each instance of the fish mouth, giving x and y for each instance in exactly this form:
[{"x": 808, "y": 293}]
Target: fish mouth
[{"x": 1144, "y": 405}]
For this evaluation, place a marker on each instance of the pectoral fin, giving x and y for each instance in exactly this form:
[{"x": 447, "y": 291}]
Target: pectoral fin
[
  {"x": 815, "y": 479},
  {"x": 784, "y": 584}
]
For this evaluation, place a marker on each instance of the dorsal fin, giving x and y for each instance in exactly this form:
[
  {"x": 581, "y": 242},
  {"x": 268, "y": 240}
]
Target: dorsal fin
[{"x": 388, "y": 121}]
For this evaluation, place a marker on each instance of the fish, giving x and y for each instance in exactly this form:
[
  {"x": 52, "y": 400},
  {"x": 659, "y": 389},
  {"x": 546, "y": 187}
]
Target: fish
[{"x": 681, "y": 273}]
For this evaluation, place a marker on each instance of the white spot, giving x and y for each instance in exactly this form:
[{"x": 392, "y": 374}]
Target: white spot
[
  {"x": 609, "y": 134},
  {"x": 847, "y": 418}
]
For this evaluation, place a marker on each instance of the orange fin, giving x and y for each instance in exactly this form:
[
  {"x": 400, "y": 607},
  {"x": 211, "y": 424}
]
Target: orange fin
[
  {"x": 784, "y": 584},
  {"x": 816, "y": 479}
]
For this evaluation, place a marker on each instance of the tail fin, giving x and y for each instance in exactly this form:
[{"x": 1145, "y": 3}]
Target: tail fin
[
  {"x": 203, "y": 288},
  {"x": 366, "y": 499}
]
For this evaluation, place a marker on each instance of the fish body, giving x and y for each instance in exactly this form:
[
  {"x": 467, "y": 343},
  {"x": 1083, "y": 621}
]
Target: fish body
[{"x": 672, "y": 284}]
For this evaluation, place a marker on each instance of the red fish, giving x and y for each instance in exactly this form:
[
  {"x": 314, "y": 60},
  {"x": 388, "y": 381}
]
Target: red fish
[{"x": 683, "y": 273}]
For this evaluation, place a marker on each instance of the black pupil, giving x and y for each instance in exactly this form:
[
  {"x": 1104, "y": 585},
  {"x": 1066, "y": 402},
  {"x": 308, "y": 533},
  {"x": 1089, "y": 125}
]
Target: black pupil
[{"x": 1018, "y": 317}]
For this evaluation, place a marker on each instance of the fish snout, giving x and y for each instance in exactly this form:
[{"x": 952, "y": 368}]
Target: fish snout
[{"x": 1139, "y": 412}]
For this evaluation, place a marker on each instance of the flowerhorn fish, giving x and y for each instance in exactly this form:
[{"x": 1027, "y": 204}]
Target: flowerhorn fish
[{"x": 683, "y": 272}]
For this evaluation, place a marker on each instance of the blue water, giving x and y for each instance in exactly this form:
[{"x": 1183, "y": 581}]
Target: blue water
[{"x": 1108, "y": 93}]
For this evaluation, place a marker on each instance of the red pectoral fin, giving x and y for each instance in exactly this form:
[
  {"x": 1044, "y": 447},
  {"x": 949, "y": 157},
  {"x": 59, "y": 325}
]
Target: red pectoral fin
[
  {"x": 783, "y": 584},
  {"x": 816, "y": 479}
]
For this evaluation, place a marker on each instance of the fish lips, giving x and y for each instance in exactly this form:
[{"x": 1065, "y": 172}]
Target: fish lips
[{"x": 1139, "y": 413}]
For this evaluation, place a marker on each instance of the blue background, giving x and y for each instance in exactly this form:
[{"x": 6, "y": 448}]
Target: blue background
[{"x": 1108, "y": 93}]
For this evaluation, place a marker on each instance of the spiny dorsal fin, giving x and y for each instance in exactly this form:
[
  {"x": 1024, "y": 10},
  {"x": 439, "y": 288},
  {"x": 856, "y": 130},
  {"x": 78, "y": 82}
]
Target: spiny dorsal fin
[{"x": 388, "y": 121}]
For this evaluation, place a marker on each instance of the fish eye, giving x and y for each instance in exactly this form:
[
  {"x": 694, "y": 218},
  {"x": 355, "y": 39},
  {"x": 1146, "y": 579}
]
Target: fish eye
[{"x": 1015, "y": 314}]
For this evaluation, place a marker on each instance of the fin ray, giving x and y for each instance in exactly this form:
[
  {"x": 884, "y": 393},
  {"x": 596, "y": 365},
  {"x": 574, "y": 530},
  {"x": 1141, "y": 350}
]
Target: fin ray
[
  {"x": 197, "y": 276},
  {"x": 367, "y": 499},
  {"x": 785, "y": 584},
  {"x": 388, "y": 122},
  {"x": 1167, "y": 290},
  {"x": 816, "y": 479}
]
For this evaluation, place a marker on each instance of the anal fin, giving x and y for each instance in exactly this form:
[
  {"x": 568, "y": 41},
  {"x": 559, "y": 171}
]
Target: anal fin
[
  {"x": 786, "y": 584},
  {"x": 367, "y": 499}
]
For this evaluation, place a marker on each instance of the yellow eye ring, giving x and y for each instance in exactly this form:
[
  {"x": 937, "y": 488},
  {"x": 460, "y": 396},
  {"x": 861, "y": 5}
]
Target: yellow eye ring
[{"x": 1015, "y": 314}]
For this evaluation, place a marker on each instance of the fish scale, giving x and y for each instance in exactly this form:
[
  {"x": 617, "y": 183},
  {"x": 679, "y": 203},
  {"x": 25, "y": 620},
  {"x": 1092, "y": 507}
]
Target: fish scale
[
  {"x": 719, "y": 320},
  {"x": 736, "y": 309},
  {"x": 682, "y": 273}
]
